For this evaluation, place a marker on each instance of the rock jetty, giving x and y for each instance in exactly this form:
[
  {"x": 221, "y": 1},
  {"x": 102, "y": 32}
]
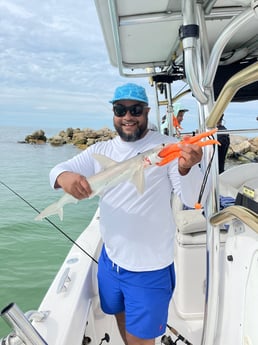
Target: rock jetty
[
  {"x": 241, "y": 148},
  {"x": 81, "y": 138}
]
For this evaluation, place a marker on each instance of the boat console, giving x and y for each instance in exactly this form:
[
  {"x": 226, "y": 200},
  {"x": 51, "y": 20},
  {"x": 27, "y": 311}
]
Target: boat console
[{"x": 190, "y": 259}]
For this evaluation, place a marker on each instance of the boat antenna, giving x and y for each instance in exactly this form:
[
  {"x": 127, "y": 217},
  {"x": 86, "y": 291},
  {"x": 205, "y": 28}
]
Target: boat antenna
[{"x": 49, "y": 221}]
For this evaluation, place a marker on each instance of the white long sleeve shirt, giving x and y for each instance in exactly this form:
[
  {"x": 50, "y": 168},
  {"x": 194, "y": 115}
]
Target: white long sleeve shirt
[{"x": 138, "y": 229}]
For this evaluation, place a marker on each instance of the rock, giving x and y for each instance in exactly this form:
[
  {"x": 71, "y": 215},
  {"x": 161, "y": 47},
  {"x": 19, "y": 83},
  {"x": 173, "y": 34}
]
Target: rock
[
  {"x": 237, "y": 139},
  {"x": 38, "y": 137},
  {"x": 69, "y": 132},
  {"x": 243, "y": 148},
  {"x": 79, "y": 138},
  {"x": 57, "y": 140},
  {"x": 82, "y": 138},
  {"x": 251, "y": 156},
  {"x": 254, "y": 145},
  {"x": 90, "y": 141}
]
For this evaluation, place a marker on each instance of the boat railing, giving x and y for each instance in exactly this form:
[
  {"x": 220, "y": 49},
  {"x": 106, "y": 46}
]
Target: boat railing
[
  {"x": 228, "y": 131},
  {"x": 235, "y": 26},
  {"x": 249, "y": 217}
]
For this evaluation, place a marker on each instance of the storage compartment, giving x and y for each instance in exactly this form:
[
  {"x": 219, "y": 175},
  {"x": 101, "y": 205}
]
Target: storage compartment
[{"x": 189, "y": 295}]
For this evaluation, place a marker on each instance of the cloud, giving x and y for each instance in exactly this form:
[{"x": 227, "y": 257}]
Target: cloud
[
  {"x": 48, "y": 42},
  {"x": 52, "y": 59},
  {"x": 54, "y": 67}
]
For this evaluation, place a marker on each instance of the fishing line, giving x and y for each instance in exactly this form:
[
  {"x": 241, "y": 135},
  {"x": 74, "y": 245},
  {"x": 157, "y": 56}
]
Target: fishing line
[{"x": 49, "y": 221}]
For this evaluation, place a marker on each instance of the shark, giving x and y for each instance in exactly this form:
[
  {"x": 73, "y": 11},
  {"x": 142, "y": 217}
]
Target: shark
[
  {"x": 112, "y": 174},
  {"x": 132, "y": 170}
]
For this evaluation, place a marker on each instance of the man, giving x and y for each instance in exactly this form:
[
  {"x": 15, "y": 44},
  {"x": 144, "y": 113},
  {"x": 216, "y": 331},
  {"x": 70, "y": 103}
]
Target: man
[
  {"x": 135, "y": 272},
  {"x": 224, "y": 140},
  {"x": 178, "y": 116}
]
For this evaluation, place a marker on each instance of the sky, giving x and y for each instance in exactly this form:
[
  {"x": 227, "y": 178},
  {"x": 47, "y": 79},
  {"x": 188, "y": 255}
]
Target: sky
[
  {"x": 54, "y": 66},
  {"x": 55, "y": 70}
]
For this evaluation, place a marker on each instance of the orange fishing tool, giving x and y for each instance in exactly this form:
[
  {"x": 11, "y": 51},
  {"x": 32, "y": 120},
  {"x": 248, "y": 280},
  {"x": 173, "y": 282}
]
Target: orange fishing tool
[{"x": 172, "y": 151}]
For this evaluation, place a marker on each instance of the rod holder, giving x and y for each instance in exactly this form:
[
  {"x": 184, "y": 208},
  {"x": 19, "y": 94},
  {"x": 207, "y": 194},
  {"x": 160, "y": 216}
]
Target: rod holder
[{"x": 21, "y": 325}]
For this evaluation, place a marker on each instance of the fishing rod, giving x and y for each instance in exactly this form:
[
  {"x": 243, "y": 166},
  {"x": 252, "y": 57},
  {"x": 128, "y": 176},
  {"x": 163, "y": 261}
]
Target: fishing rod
[
  {"x": 49, "y": 221},
  {"x": 168, "y": 341}
]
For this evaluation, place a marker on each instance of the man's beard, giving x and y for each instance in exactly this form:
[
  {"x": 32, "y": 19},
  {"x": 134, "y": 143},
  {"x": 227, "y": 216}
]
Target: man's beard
[{"x": 138, "y": 133}]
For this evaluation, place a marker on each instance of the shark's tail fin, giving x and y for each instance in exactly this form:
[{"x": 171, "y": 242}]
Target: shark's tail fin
[
  {"x": 57, "y": 207},
  {"x": 51, "y": 210}
]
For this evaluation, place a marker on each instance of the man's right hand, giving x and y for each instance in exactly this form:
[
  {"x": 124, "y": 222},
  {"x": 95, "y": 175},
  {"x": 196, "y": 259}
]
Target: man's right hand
[{"x": 74, "y": 184}]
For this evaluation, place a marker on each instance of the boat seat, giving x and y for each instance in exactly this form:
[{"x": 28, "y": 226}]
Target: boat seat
[
  {"x": 229, "y": 186},
  {"x": 190, "y": 223}
]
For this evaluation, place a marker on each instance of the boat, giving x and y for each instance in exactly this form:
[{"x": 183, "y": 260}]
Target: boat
[{"x": 212, "y": 45}]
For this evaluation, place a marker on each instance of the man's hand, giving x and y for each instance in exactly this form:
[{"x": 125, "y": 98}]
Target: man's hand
[
  {"x": 74, "y": 184},
  {"x": 191, "y": 154}
]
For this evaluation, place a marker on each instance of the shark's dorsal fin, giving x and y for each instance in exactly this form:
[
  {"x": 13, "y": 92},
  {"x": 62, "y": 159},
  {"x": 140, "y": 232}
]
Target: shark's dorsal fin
[{"x": 104, "y": 161}]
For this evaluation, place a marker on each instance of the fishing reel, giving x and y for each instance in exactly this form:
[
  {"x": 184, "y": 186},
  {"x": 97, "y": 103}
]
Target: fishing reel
[{"x": 167, "y": 340}]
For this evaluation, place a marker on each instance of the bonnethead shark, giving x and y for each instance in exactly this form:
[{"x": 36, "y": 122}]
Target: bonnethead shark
[
  {"x": 131, "y": 170},
  {"x": 111, "y": 175}
]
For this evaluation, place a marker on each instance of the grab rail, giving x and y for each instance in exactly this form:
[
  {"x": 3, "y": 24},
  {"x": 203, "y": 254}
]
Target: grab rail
[{"x": 242, "y": 213}]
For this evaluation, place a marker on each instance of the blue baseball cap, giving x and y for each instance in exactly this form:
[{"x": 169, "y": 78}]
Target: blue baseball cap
[{"x": 130, "y": 91}]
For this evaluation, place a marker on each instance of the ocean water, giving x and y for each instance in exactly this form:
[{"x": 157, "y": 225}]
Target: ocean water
[{"x": 31, "y": 252}]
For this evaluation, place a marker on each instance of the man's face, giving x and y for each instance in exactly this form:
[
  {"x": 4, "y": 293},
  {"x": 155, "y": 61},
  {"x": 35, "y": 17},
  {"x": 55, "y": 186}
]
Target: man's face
[
  {"x": 180, "y": 116},
  {"x": 128, "y": 126}
]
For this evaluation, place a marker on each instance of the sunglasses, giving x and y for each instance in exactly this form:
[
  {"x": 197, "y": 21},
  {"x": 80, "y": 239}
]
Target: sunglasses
[{"x": 135, "y": 109}]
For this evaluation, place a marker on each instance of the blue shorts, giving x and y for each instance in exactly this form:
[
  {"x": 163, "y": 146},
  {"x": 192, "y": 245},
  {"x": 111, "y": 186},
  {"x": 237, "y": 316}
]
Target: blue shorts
[{"x": 143, "y": 296}]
